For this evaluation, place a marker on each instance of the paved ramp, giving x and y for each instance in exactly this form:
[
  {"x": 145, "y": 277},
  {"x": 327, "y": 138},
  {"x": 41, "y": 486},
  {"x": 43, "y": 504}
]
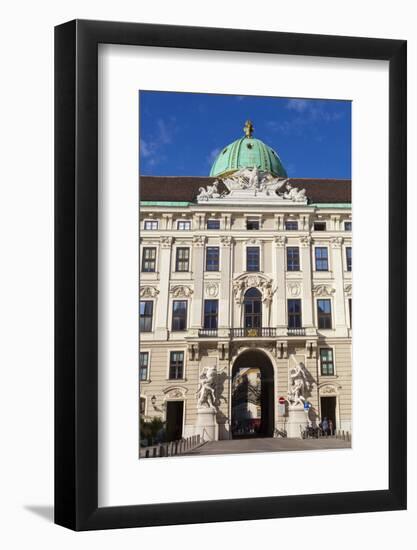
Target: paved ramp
[{"x": 268, "y": 444}]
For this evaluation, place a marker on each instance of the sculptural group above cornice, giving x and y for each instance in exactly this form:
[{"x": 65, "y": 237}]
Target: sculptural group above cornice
[
  {"x": 323, "y": 290},
  {"x": 252, "y": 185}
]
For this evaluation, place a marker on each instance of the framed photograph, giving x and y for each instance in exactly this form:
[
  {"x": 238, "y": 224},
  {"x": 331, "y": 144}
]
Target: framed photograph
[{"x": 230, "y": 275}]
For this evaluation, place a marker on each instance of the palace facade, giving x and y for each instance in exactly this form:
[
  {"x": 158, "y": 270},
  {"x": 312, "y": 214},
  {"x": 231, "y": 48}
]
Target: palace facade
[{"x": 249, "y": 272}]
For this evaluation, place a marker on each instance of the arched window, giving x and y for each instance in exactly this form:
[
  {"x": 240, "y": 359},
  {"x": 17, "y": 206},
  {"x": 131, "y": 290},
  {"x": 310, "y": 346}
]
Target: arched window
[{"x": 252, "y": 307}]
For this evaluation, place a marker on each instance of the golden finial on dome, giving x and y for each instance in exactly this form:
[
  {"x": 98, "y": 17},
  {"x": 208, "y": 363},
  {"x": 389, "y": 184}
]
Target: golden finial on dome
[{"x": 248, "y": 128}]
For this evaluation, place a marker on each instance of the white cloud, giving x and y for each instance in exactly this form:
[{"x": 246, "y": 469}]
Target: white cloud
[
  {"x": 153, "y": 146},
  {"x": 212, "y": 156},
  {"x": 298, "y": 105}
]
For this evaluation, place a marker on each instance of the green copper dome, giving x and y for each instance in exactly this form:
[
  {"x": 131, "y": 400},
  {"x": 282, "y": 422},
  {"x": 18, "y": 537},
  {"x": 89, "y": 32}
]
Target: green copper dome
[{"x": 247, "y": 152}]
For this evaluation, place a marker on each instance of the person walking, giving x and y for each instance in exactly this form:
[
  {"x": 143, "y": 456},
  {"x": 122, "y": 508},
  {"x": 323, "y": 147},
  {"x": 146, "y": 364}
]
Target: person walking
[
  {"x": 330, "y": 426},
  {"x": 325, "y": 426}
]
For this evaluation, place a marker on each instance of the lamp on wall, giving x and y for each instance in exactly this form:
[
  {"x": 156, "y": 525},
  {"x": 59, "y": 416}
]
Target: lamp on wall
[{"x": 153, "y": 401}]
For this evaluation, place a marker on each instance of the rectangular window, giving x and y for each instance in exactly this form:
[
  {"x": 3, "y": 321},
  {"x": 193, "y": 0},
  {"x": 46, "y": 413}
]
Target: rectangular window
[
  {"x": 143, "y": 365},
  {"x": 182, "y": 261},
  {"x": 212, "y": 258},
  {"x": 322, "y": 258},
  {"x": 211, "y": 308},
  {"x": 148, "y": 259},
  {"x": 145, "y": 315},
  {"x": 150, "y": 225},
  {"x": 319, "y": 226},
  {"x": 176, "y": 365},
  {"x": 294, "y": 313},
  {"x": 324, "y": 314},
  {"x": 293, "y": 258},
  {"x": 291, "y": 225},
  {"x": 349, "y": 258},
  {"x": 350, "y": 312},
  {"x": 213, "y": 224},
  {"x": 183, "y": 225},
  {"x": 252, "y": 224},
  {"x": 252, "y": 258},
  {"x": 142, "y": 405},
  {"x": 348, "y": 226},
  {"x": 179, "y": 315},
  {"x": 326, "y": 362}
]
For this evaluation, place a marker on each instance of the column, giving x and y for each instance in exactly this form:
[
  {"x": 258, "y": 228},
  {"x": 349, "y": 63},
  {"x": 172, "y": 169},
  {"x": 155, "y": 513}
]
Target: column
[
  {"x": 278, "y": 317},
  {"x": 339, "y": 296},
  {"x": 161, "y": 320},
  {"x": 198, "y": 276},
  {"x": 225, "y": 284},
  {"x": 307, "y": 296}
]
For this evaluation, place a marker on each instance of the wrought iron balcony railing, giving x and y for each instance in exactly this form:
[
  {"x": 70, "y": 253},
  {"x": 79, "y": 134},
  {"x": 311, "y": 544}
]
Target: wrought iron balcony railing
[
  {"x": 207, "y": 333},
  {"x": 296, "y": 332},
  {"x": 253, "y": 332}
]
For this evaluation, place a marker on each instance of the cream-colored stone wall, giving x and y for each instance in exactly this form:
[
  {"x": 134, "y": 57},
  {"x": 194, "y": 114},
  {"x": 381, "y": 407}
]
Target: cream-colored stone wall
[{"x": 308, "y": 284}]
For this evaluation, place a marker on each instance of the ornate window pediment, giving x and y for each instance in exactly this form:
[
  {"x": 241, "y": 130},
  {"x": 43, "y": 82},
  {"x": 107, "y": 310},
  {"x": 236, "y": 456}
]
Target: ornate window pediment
[
  {"x": 181, "y": 291},
  {"x": 148, "y": 292},
  {"x": 248, "y": 280}
]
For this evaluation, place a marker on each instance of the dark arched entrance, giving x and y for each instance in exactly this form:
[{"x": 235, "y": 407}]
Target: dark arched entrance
[{"x": 252, "y": 412}]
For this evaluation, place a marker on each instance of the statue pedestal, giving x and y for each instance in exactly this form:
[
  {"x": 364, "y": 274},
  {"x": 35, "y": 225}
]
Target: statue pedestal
[
  {"x": 297, "y": 417},
  {"x": 206, "y": 424}
]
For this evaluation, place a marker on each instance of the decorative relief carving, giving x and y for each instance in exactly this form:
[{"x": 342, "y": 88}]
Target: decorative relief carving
[
  {"x": 323, "y": 290},
  {"x": 306, "y": 241},
  {"x": 166, "y": 242},
  {"x": 148, "y": 292},
  {"x": 348, "y": 289},
  {"x": 175, "y": 392},
  {"x": 226, "y": 241},
  {"x": 212, "y": 290},
  {"x": 261, "y": 282},
  {"x": 294, "y": 289},
  {"x": 199, "y": 240},
  {"x": 280, "y": 241},
  {"x": 181, "y": 291},
  {"x": 336, "y": 242},
  {"x": 328, "y": 389}
]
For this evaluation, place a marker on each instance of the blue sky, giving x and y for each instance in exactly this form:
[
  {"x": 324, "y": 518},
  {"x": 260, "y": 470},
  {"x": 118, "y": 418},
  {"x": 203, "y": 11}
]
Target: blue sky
[{"x": 181, "y": 133}]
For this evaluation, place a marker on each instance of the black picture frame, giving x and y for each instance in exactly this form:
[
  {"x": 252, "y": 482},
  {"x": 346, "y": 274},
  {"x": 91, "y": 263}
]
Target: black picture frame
[{"x": 76, "y": 272}]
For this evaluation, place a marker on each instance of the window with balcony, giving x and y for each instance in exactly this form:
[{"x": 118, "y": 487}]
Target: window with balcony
[
  {"x": 291, "y": 225},
  {"x": 145, "y": 315},
  {"x": 212, "y": 258},
  {"x": 179, "y": 315},
  {"x": 182, "y": 260},
  {"x": 349, "y": 258},
  {"x": 321, "y": 258},
  {"x": 252, "y": 308},
  {"x": 183, "y": 225},
  {"x": 293, "y": 258},
  {"x": 150, "y": 225},
  {"x": 319, "y": 226},
  {"x": 326, "y": 362},
  {"x": 252, "y": 225},
  {"x": 324, "y": 314},
  {"x": 213, "y": 224},
  {"x": 211, "y": 308},
  {"x": 143, "y": 365},
  {"x": 148, "y": 259},
  {"x": 252, "y": 258},
  {"x": 176, "y": 365},
  {"x": 294, "y": 313}
]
